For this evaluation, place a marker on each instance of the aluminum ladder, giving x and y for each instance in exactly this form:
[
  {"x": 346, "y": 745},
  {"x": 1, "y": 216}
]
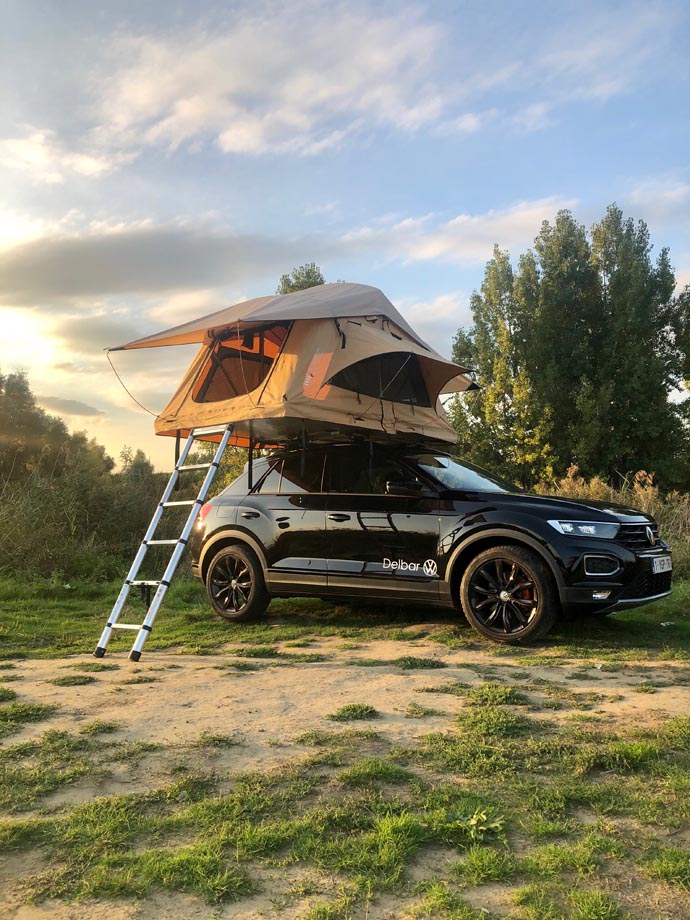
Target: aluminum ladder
[{"x": 143, "y": 629}]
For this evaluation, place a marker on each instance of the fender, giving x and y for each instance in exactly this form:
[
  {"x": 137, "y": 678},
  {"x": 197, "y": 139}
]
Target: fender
[
  {"x": 235, "y": 534},
  {"x": 512, "y": 535}
]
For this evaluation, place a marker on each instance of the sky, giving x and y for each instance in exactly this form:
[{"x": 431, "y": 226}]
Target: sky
[{"x": 160, "y": 160}]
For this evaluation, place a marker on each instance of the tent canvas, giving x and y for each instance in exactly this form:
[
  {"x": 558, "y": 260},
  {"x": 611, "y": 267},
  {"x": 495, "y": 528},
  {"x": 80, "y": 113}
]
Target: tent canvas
[{"x": 336, "y": 357}]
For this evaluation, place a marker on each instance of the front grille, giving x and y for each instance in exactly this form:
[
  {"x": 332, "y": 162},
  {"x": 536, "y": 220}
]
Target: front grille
[
  {"x": 648, "y": 585},
  {"x": 634, "y": 536}
]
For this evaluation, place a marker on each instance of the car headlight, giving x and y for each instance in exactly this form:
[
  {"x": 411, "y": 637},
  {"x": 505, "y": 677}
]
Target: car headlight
[{"x": 598, "y": 529}]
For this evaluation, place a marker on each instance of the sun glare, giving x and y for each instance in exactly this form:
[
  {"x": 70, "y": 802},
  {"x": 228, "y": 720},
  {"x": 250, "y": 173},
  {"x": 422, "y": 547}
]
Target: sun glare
[{"x": 24, "y": 342}]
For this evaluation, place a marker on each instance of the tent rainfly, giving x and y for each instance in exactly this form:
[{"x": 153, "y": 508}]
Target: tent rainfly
[{"x": 336, "y": 357}]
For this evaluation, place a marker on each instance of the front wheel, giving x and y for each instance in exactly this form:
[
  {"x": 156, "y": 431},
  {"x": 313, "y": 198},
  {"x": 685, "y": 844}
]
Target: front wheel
[
  {"x": 235, "y": 584},
  {"x": 508, "y": 595}
]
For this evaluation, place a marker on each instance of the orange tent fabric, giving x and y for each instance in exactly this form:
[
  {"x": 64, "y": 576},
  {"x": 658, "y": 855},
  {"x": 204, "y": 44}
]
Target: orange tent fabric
[{"x": 333, "y": 359}]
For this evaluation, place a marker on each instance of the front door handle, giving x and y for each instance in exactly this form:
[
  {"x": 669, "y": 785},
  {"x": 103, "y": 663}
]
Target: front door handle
[
  {"x": 250, "y": 514},
  {"x": 339, "y": 517}
]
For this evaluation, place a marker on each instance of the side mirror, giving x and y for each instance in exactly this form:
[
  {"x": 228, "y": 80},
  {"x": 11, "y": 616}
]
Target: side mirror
[{"x": 404, "y": 487}]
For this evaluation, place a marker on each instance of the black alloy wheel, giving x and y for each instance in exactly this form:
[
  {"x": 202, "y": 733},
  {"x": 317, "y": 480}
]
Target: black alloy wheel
[
  {"x": 235, "y": 584},
  {"x": 508, "y": 595}
]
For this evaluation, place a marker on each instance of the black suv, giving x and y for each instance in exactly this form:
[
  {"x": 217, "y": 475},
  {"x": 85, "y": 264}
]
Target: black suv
[{"x": 390, "y": 524}]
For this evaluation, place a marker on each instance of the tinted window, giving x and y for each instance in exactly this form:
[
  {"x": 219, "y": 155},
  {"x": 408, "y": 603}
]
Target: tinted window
[
  {"x": 362, "y": 473},
  {"x": 240, "y": 486},
  {"x": 271, "y": 481},
  {"x": 303, "y": 472},
  {"x": 461, "y": 476},
  {"x": 395, "y": 376}
]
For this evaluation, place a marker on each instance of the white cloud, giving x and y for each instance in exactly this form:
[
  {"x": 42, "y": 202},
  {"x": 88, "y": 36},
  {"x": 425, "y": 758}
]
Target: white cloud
[
  {"x": 78, "y": 267},
  {"x": 17, "y": 228},
  {"x": 437, "y": 320},
  {"x": 41, "y": 155},
  {"x": 467, "y": 122},
  {"x": 533, "y": 117},
  {"x": 294, "y": 79},
  {"x": 306, "y": 77},
  {"x": 69, "y": 407},
  {"x": 199, "y": 263},
  {"x": 465, "y": 239},
  {"x": 660, "y": 198},
  {"x": 601, "y": 54},
  {"x": 185, "y": 305}
]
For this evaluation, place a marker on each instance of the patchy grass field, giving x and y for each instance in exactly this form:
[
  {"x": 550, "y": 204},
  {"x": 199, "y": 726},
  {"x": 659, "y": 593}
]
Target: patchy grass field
[{"x": 333, "y": 762}]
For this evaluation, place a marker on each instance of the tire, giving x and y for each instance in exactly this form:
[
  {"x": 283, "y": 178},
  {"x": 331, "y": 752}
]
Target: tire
[
  {"x": 235, "y": 584},
  {"x": 508, "y": 595}
]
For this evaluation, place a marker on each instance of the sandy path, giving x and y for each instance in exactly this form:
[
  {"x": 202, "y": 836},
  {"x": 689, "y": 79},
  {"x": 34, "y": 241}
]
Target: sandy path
[{"x": 265, "y": 710}]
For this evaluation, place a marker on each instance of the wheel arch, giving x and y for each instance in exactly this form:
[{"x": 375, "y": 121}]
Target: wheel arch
[
  {"x": 230, "y": 538},
  {"x": 485, "y": 539}
]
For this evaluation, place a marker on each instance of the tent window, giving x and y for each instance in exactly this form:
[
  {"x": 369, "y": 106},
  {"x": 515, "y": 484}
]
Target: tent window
[
  {"x": 395, "y": 376},
  {"x": 238, "y": 364}
]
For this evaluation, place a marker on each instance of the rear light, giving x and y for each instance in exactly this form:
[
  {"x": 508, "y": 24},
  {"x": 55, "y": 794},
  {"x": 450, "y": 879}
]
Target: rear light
[{"x": 203, "y": 511}]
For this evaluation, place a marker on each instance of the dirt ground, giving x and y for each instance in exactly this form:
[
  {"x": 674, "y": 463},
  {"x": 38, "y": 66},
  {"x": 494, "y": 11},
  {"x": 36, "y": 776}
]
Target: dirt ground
[{"x": 265, "y": 710}]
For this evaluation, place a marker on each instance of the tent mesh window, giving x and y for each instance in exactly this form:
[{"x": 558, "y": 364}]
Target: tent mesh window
[
  {"x": 394, "y": 376},
  {"x": 239, "y": 363}
]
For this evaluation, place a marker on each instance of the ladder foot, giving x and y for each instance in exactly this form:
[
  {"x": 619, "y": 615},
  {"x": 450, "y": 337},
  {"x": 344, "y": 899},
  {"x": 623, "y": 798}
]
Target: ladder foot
[
  {"x": 99, "y": 652},
  {"x": 134, "y": 656}
]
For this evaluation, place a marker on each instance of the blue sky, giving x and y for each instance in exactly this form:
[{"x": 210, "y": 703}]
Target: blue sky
[{"x": 161, "y": 160}]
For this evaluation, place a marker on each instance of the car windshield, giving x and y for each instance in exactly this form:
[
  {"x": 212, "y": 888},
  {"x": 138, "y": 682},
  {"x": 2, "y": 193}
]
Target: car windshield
[{"x": 461, "y": 476}]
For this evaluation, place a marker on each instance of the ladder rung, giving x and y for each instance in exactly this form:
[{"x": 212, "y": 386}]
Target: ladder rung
[
  {"x": 212, "y": 430},
  {"x": 161, "y": 542},
  {"x": 144, "y": 583},
  {"x": 178, "y": 504},
  {"x": 125, "y": 626},
  {"x": 194, "y": 466}
]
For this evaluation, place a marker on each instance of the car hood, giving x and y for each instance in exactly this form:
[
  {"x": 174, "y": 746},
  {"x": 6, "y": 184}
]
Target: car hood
[{"x": 553, "y": 507}]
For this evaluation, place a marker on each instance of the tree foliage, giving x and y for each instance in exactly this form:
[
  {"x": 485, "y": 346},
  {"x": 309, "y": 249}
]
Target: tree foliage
[
  {"x": 301, "y": 277},
  {"x": 578, "y": 352}
]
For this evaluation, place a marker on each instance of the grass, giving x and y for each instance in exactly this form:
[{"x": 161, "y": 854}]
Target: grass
[
  {"x": 15, "y": 716},
  {"x": 374, "y": 770},
  {"x": 353, "y": 712},
  {"x": 405, "y": 663},
  {"x": 72, "y": 680},
  {"x": 417, "y": 711},
  {"x": 521, "y": 789},
  {"x": 76, "y": 618}
]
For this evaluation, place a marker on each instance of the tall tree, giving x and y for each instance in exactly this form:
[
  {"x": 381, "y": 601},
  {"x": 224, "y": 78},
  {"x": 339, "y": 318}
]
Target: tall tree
[
  {"x": 581, "y": 350},
  {"x": 639, "y": 358},
  {"x": 499, "y": 425},
  {"x": 560, "y": 294},
  {"x": 304, "y": 276}
]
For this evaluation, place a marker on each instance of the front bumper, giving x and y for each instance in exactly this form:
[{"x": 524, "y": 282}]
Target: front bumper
[{"x": 633, "y": 585}]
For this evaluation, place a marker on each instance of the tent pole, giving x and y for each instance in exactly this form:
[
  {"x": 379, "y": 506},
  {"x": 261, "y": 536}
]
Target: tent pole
[{"x": 250, "y": 456}]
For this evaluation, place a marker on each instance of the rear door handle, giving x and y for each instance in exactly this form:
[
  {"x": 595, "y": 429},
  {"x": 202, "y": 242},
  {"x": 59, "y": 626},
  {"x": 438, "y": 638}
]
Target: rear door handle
[
  {"x": 250, "y": 514},
  {"x": 339, "y": 517}
]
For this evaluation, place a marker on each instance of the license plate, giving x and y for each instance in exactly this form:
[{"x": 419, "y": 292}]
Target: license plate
[{"x": 662, "y": 564}]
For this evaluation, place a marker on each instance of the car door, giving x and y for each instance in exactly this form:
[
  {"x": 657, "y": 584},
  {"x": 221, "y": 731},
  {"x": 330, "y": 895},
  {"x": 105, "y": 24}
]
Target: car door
[
  {"x": 379, "y": 541},
  {"x": 287, "y": 511}
]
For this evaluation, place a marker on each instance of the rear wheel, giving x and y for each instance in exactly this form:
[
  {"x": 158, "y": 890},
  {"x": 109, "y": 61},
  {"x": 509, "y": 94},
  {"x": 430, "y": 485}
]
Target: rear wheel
[
  {"x": 508, "y": 595},
  {"x": 235, "y": 584}
]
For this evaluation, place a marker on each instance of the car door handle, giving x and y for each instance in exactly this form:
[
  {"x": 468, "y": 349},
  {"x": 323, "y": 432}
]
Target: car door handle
[
  {"x": 250, "y": 514},
  {"x": 339, "y": 517}
]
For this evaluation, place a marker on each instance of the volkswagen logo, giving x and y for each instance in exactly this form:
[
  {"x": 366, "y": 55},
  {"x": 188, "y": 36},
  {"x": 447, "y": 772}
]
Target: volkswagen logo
[
  {"x": 430, "y": 567},
  {"x": 650, "y": 536}
]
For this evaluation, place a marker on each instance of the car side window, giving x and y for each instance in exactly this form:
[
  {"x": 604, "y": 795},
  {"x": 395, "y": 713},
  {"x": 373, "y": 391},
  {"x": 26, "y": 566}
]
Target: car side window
[
  {"x": 270, "y": 483},
  {"x": 303, "y": 471},
  {"x": 366, "y": 475}
]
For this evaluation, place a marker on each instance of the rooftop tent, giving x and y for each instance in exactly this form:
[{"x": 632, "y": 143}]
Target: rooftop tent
[{"x": 332, "y": 358}]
